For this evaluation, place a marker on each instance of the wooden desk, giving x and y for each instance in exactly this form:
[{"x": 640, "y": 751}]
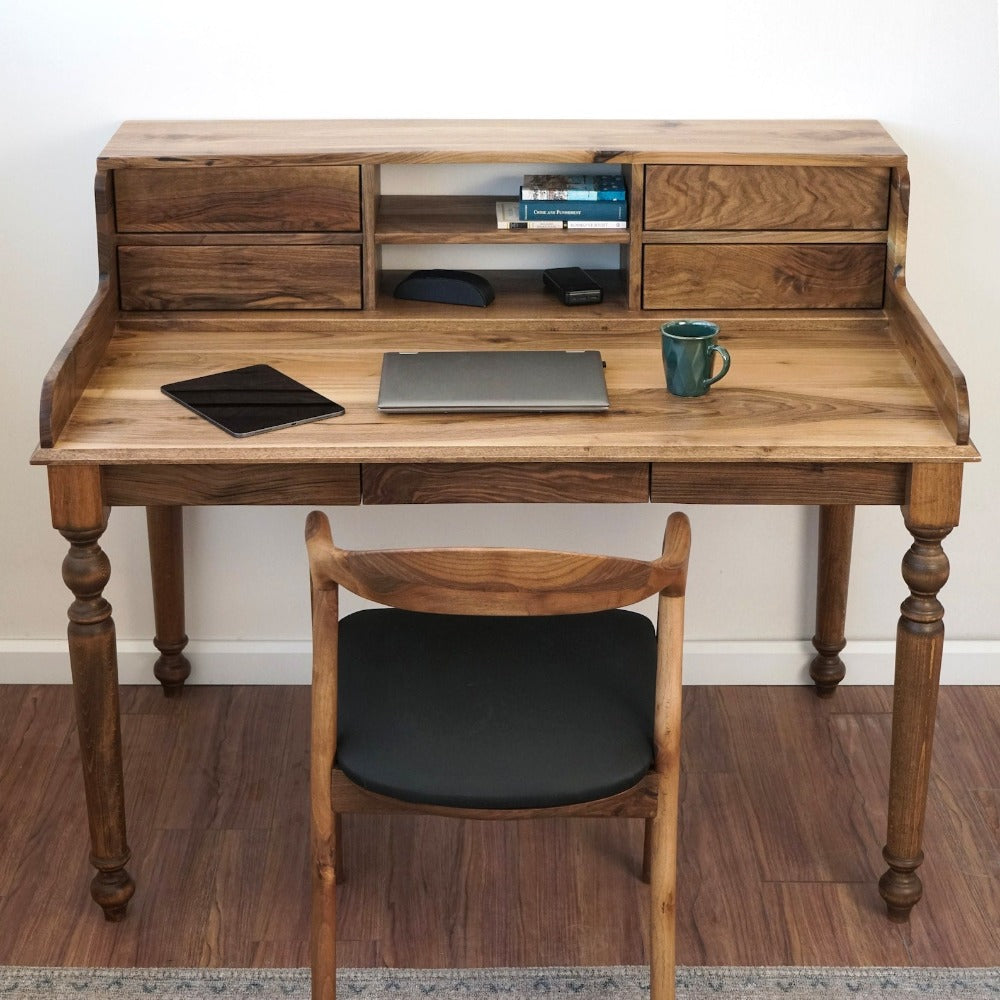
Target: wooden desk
[{"x": 228, "y": 243}]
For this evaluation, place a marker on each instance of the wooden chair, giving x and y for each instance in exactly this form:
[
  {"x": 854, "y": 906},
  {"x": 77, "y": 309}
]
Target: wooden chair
[{"x": 497, "y": 684}]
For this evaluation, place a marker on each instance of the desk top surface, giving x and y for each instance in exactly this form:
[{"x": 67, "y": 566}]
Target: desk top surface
[{"x": 830, "y": 389}]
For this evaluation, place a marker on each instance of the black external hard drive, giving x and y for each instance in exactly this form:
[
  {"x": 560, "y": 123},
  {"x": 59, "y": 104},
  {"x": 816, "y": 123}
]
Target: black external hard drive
[{"x": 573, "y": 285}]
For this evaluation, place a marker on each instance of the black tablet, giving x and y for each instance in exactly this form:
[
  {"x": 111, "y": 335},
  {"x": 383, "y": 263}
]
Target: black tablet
[{"x": 250, "y": 400}]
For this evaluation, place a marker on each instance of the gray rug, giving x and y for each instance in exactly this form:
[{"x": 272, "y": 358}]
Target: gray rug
[{"x": 620, "y": 983}]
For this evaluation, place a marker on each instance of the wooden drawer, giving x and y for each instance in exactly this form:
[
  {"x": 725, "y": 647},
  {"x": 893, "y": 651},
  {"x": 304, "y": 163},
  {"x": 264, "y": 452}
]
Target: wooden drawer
[
  {"x": 238, "y": 199},
  {"x": 240, "y": 277},
  {"x": 316, "y": 483},
  {"x": 512, "y": 482},
  {"x": 763, "y": 276},
  {"x": 706, "y": 197},
  {"x": 784, "y": 483}
]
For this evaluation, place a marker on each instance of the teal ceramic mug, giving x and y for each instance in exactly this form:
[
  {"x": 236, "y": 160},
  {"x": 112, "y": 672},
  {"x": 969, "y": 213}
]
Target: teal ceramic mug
[{"x": 689, "y": 347}]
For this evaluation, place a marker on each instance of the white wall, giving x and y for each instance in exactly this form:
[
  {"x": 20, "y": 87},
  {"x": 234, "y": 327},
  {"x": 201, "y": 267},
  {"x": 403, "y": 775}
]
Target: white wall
[{"x": 71, "y": 72}]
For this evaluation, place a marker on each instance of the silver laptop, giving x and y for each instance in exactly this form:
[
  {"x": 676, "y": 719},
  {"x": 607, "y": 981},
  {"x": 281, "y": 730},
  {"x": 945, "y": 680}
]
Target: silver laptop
[{"x": 492, "y": 381}]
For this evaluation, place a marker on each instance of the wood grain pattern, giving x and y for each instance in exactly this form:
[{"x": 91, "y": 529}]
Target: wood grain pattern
[
  {"x": 165, "y": 533},
  {"x": 238, "y": 199},
  {"x": 126, "y": 485},
  {"x": 799, "y": 483},
  {"x": 469, "y": 219},
  {"x": 798, "y": 391},
  {"x": 240, "y": 277},
  {"x": 66, "y": 379},
  {"x": 215, "y": 892},
  {"x": 788, "y": 839},
  {"x": 75, "y": 500},
  {"x": 899, "y": 219},
  {"x": 830, "y": 276},
  {"x": 371, "y": 253},
  {"x": 931, "y": 511},
  {"x": 836, "y": 537},
  {"x": 434, "y": 482},
  {"x": 630, "y": 255},
  {"x": 636, "y": 802},
  {"x": 514, "y": 482},
  {"x": 686, "y": 196},
  {"x": 931, "y": 361},
  {"x": 237, "y": 239},
  {"x": 324, "y": 822},
  {"x": 785, "y": 237},
  {"x": 81, "y": 518},
  {"x": 497, "y": 581},
  {"x": 933, "y": 497},
  {"x": 222, "y": 143}
]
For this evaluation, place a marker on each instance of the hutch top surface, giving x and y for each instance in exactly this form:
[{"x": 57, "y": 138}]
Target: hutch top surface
[{"x": 167, "y": 143}]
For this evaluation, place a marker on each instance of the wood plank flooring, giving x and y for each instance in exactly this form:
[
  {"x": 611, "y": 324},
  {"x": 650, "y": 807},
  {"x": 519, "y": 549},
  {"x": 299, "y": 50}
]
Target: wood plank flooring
[{"x": 782, "y": 812}]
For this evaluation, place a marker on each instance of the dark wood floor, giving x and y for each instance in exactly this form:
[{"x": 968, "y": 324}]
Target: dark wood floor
[{"x": 782, "y": 823}]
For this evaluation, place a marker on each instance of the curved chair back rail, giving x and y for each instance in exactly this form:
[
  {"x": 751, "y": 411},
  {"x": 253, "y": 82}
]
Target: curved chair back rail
[{"x": 498, "y": 581}]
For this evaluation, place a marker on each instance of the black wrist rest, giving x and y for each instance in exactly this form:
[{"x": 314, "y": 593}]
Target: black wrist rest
[{"x": 460, "y": 288}]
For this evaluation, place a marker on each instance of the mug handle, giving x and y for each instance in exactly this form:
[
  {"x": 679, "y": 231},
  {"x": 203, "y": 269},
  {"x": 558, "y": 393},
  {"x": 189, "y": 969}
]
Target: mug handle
[{"x": 725, "y": 364}]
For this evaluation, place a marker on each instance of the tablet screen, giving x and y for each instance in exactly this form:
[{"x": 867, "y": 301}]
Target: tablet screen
[{"x": 251, "y": 400}]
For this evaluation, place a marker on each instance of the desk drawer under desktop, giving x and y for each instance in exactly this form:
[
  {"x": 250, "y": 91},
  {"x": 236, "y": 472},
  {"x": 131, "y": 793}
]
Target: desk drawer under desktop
[
  {"x": 779, "y": 483},
  {"x": 208, "y": 484},
  {"x": 506, "y": 482}
]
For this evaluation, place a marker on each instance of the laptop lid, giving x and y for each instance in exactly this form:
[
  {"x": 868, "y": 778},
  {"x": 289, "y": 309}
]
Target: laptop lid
[{"x": 492, "y": 381}]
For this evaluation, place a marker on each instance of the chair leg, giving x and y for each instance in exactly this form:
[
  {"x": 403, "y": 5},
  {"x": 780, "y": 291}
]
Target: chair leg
[
  {"x": 338, "y": 855},
  {"x": 663, "y": 892},
  {"x": 647, "y": 849},
  {"x": 323, "y": 944}
]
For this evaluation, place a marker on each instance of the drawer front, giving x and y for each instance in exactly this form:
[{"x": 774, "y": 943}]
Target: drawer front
[
  {"x": 124, "y": 485},
  {"x": 706, "y": 197},
  {"x": 240, "y": 277},
  {"x": 785, "y": 483},
  {"x": 763, "y": 276},
  {"x": 511, "y": 482},
  {"x": 238, "y": 199}
]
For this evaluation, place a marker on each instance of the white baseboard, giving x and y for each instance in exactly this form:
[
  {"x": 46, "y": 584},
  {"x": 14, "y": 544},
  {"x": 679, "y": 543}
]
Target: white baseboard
[{"x": 705, "y": 662}]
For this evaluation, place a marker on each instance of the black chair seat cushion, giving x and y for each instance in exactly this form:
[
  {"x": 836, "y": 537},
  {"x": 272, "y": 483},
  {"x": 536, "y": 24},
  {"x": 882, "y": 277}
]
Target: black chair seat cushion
[{"x": 495, "y": 713}]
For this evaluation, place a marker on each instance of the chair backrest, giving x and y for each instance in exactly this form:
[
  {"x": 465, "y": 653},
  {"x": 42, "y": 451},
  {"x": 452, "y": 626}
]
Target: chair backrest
[{"x": 497, "y": 581}]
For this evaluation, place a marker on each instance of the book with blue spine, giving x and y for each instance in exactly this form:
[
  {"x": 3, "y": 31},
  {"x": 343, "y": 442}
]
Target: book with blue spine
[
  {"x": 507, "y": 219},
  {"x": 590, "y": 211},
  {"x": 573, "y": 187}
]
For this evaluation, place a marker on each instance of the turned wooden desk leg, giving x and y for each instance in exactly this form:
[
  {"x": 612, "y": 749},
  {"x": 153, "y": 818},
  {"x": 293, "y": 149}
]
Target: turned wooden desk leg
[
  {"x": 166, "y": 562},
  {"x": 78, "y": 514},
  {"x": 836, "y": 533},
  {"x": 931, "y": 513}
]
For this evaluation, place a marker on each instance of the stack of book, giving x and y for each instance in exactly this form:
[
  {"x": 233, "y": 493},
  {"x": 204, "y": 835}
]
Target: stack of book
[{"x": 567, "y": 201}]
